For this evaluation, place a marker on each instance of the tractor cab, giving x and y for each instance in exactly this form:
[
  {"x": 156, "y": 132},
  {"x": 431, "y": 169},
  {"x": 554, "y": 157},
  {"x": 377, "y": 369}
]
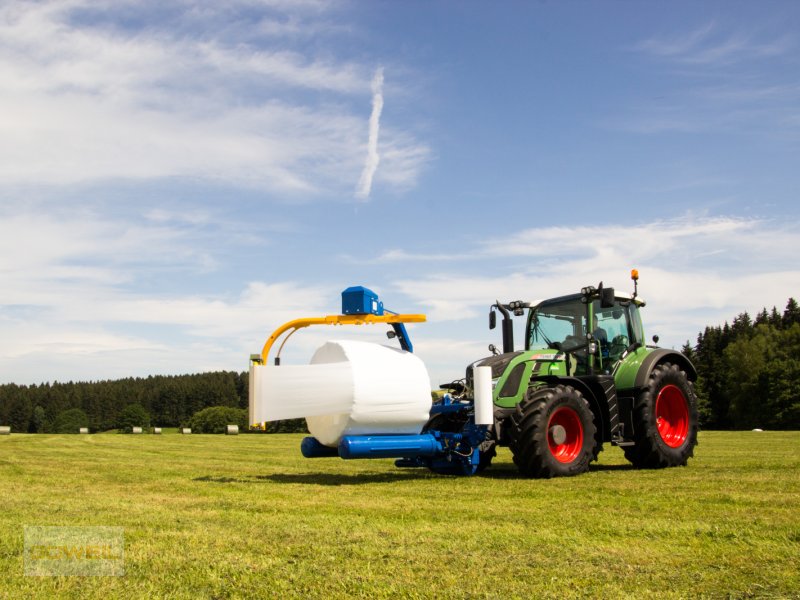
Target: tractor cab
[{"x": 595, "y": 328}]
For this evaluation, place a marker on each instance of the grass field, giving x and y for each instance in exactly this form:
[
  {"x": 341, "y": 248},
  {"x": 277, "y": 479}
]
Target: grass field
[{"x": 247, "y": 516}]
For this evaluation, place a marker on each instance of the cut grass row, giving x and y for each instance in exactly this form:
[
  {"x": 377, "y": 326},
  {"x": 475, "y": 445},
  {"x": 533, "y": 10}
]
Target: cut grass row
[{"x": 247, "y": 516}]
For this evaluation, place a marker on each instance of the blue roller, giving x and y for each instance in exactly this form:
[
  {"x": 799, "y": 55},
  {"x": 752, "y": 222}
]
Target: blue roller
[
  {"x": 389, "y": 446},
  {"x": 312, "y": 448}
]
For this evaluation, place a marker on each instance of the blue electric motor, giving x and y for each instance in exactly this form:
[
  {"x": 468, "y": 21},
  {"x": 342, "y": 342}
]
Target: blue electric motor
[{"x": 358, "y": 300}]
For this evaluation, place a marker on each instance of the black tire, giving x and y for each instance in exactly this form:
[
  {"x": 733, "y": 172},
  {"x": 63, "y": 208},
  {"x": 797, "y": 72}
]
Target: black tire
[
  {"x": 453, "y": 423},
  {"x": 664, "y": 420},
  {"x": 537, "y": 453},
  {"x": 597, "y": 446},
  {"x": 488, "y": 452}
]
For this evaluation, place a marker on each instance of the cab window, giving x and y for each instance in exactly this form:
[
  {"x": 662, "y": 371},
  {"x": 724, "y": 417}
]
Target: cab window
[
  {"x": 614, "y": 329},
  {"x": 637, "y": 331},
  {"x": 555, "y": 323}
]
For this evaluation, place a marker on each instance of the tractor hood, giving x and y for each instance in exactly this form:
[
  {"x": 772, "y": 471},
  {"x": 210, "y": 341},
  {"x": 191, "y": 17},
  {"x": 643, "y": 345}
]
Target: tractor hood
[{"x": 498, "y": 364}]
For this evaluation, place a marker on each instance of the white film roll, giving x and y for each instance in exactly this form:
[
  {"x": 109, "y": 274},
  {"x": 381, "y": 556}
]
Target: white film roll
[
  {"x": 350, "y": 388},
  {"x": 484, "y": 406}
]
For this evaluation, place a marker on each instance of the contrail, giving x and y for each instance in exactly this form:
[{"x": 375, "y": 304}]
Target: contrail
[{"x": 371, "y": 164}]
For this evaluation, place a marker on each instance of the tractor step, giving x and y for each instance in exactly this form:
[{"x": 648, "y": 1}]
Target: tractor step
[{"x": 622, "y": 443}]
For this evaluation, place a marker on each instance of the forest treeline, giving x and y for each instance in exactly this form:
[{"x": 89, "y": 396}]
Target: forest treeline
[
  {"x": 168, "y": 401},
  {"x": 749, "y": 376},
  {"x": 749, "y": 371}
]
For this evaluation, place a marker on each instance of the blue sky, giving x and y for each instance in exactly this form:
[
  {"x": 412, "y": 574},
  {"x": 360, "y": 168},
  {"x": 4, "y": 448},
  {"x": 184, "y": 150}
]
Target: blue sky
[{"x": 176, "y": 182}]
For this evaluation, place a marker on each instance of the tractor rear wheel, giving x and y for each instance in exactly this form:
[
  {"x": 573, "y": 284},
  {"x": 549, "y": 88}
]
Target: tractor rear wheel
[
  {"x": 552, "y": 433},
  {"x": 664, "y": 420}
]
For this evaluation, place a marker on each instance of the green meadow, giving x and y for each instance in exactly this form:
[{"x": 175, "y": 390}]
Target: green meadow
[{"x": 248, "y": 517}]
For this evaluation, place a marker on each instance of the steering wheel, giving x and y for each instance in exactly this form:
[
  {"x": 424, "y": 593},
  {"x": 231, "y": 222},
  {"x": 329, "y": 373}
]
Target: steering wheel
[{"x": 618, "y": 345}]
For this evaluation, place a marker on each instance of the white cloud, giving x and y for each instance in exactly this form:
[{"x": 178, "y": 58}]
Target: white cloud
[
  {"x": 695, "y": 271},
  {"x": 718, "y": 80},
  {"x": 373, "y": 158},
  {"x": 399, "y": 255},
  {"x": 73, "y": 307},
  {"x": 446, "y": 358},
  {"x": 72, "y": 294},
  {"x": 710, "y": 45},
  {"x": 209, "y": 97}
]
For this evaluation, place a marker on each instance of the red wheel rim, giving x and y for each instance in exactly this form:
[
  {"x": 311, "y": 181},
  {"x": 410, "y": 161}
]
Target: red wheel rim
[
  {"x": 672, "y": 416},
  {"x": 569, "y": 449}
]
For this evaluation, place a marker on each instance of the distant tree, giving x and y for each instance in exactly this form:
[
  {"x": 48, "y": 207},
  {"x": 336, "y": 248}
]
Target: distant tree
[
  {"x": 287, "y": 426},
  {"x": 39, "y": 422},
  {"x": 70, "y": 421},
  {"x": 742, "y": 326},
  {"x": 687, "y": 350},
  {"x": 19, "y": 411},
  {"x": 792, "y": 314},
  {"x": 763, "y": 379},
  {"x": 215, "y": 419},
  {"x": 710, "y": 385},
  {"x": 133, "y": 415},
  {"x": 242, "y": 387}
]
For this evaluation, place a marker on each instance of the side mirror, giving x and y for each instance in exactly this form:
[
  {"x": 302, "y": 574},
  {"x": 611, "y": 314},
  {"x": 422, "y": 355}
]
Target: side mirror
[
  {"x": 607, "y": 298},
  {"x": 492, "y": 319},
  {"x": 391, "y": 335},
  {"x": 655, "y": 339}
]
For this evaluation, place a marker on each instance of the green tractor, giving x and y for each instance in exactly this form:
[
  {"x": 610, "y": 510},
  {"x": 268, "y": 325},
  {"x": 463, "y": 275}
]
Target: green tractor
[{"x": 586, "y": 377}]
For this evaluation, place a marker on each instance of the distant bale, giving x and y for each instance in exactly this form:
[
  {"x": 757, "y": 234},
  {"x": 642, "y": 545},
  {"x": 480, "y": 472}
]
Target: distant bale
[
  {"x": 233, "y": 430},
  {"x": 186, "y": 430},
  {"x": 758, "y": 429},
  {"x": 5, "y": 430},
  {"x": 83, "y": 430},
  {"x": 157, "y": 430},
  {"x": 136, "y": 430}
]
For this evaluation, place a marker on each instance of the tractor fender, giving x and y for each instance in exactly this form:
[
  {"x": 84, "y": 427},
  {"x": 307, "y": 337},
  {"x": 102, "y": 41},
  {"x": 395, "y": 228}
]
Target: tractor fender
[{"x": 661, "y": 355}]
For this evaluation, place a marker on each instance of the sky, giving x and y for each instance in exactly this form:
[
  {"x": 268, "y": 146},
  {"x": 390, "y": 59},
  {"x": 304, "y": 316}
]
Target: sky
[{"x": 178, "y": 179}]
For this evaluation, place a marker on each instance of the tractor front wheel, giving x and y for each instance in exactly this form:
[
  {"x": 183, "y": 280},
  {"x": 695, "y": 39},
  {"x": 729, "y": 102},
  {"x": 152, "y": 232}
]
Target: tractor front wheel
[
  {"x": 664, "y": 420},
  {"x": 552, "y": 433}
]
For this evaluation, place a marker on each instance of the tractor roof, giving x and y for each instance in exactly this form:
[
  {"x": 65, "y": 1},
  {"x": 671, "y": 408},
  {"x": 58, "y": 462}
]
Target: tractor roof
[{"x": 569, "y": 297}]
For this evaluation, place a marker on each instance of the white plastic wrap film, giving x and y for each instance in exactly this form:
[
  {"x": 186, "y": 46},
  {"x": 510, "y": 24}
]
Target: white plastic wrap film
[
  {"x": 350, "y": 388},
  {"x": 297, "y": 391},
  {"x": 484, "y": 405}
]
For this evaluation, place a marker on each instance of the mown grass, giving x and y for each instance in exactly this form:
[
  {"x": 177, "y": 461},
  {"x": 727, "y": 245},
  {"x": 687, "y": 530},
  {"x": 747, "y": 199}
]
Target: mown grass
[{"x": 247, "y": 516}]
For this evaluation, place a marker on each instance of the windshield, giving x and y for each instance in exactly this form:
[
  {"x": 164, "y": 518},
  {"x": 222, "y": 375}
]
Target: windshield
[{"x": 554, "y": 323}]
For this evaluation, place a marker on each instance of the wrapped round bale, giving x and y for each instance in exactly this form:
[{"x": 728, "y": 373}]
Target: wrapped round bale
[
  {"x": 390, "y": 393},
  {"x": 350, "y": 388}
]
